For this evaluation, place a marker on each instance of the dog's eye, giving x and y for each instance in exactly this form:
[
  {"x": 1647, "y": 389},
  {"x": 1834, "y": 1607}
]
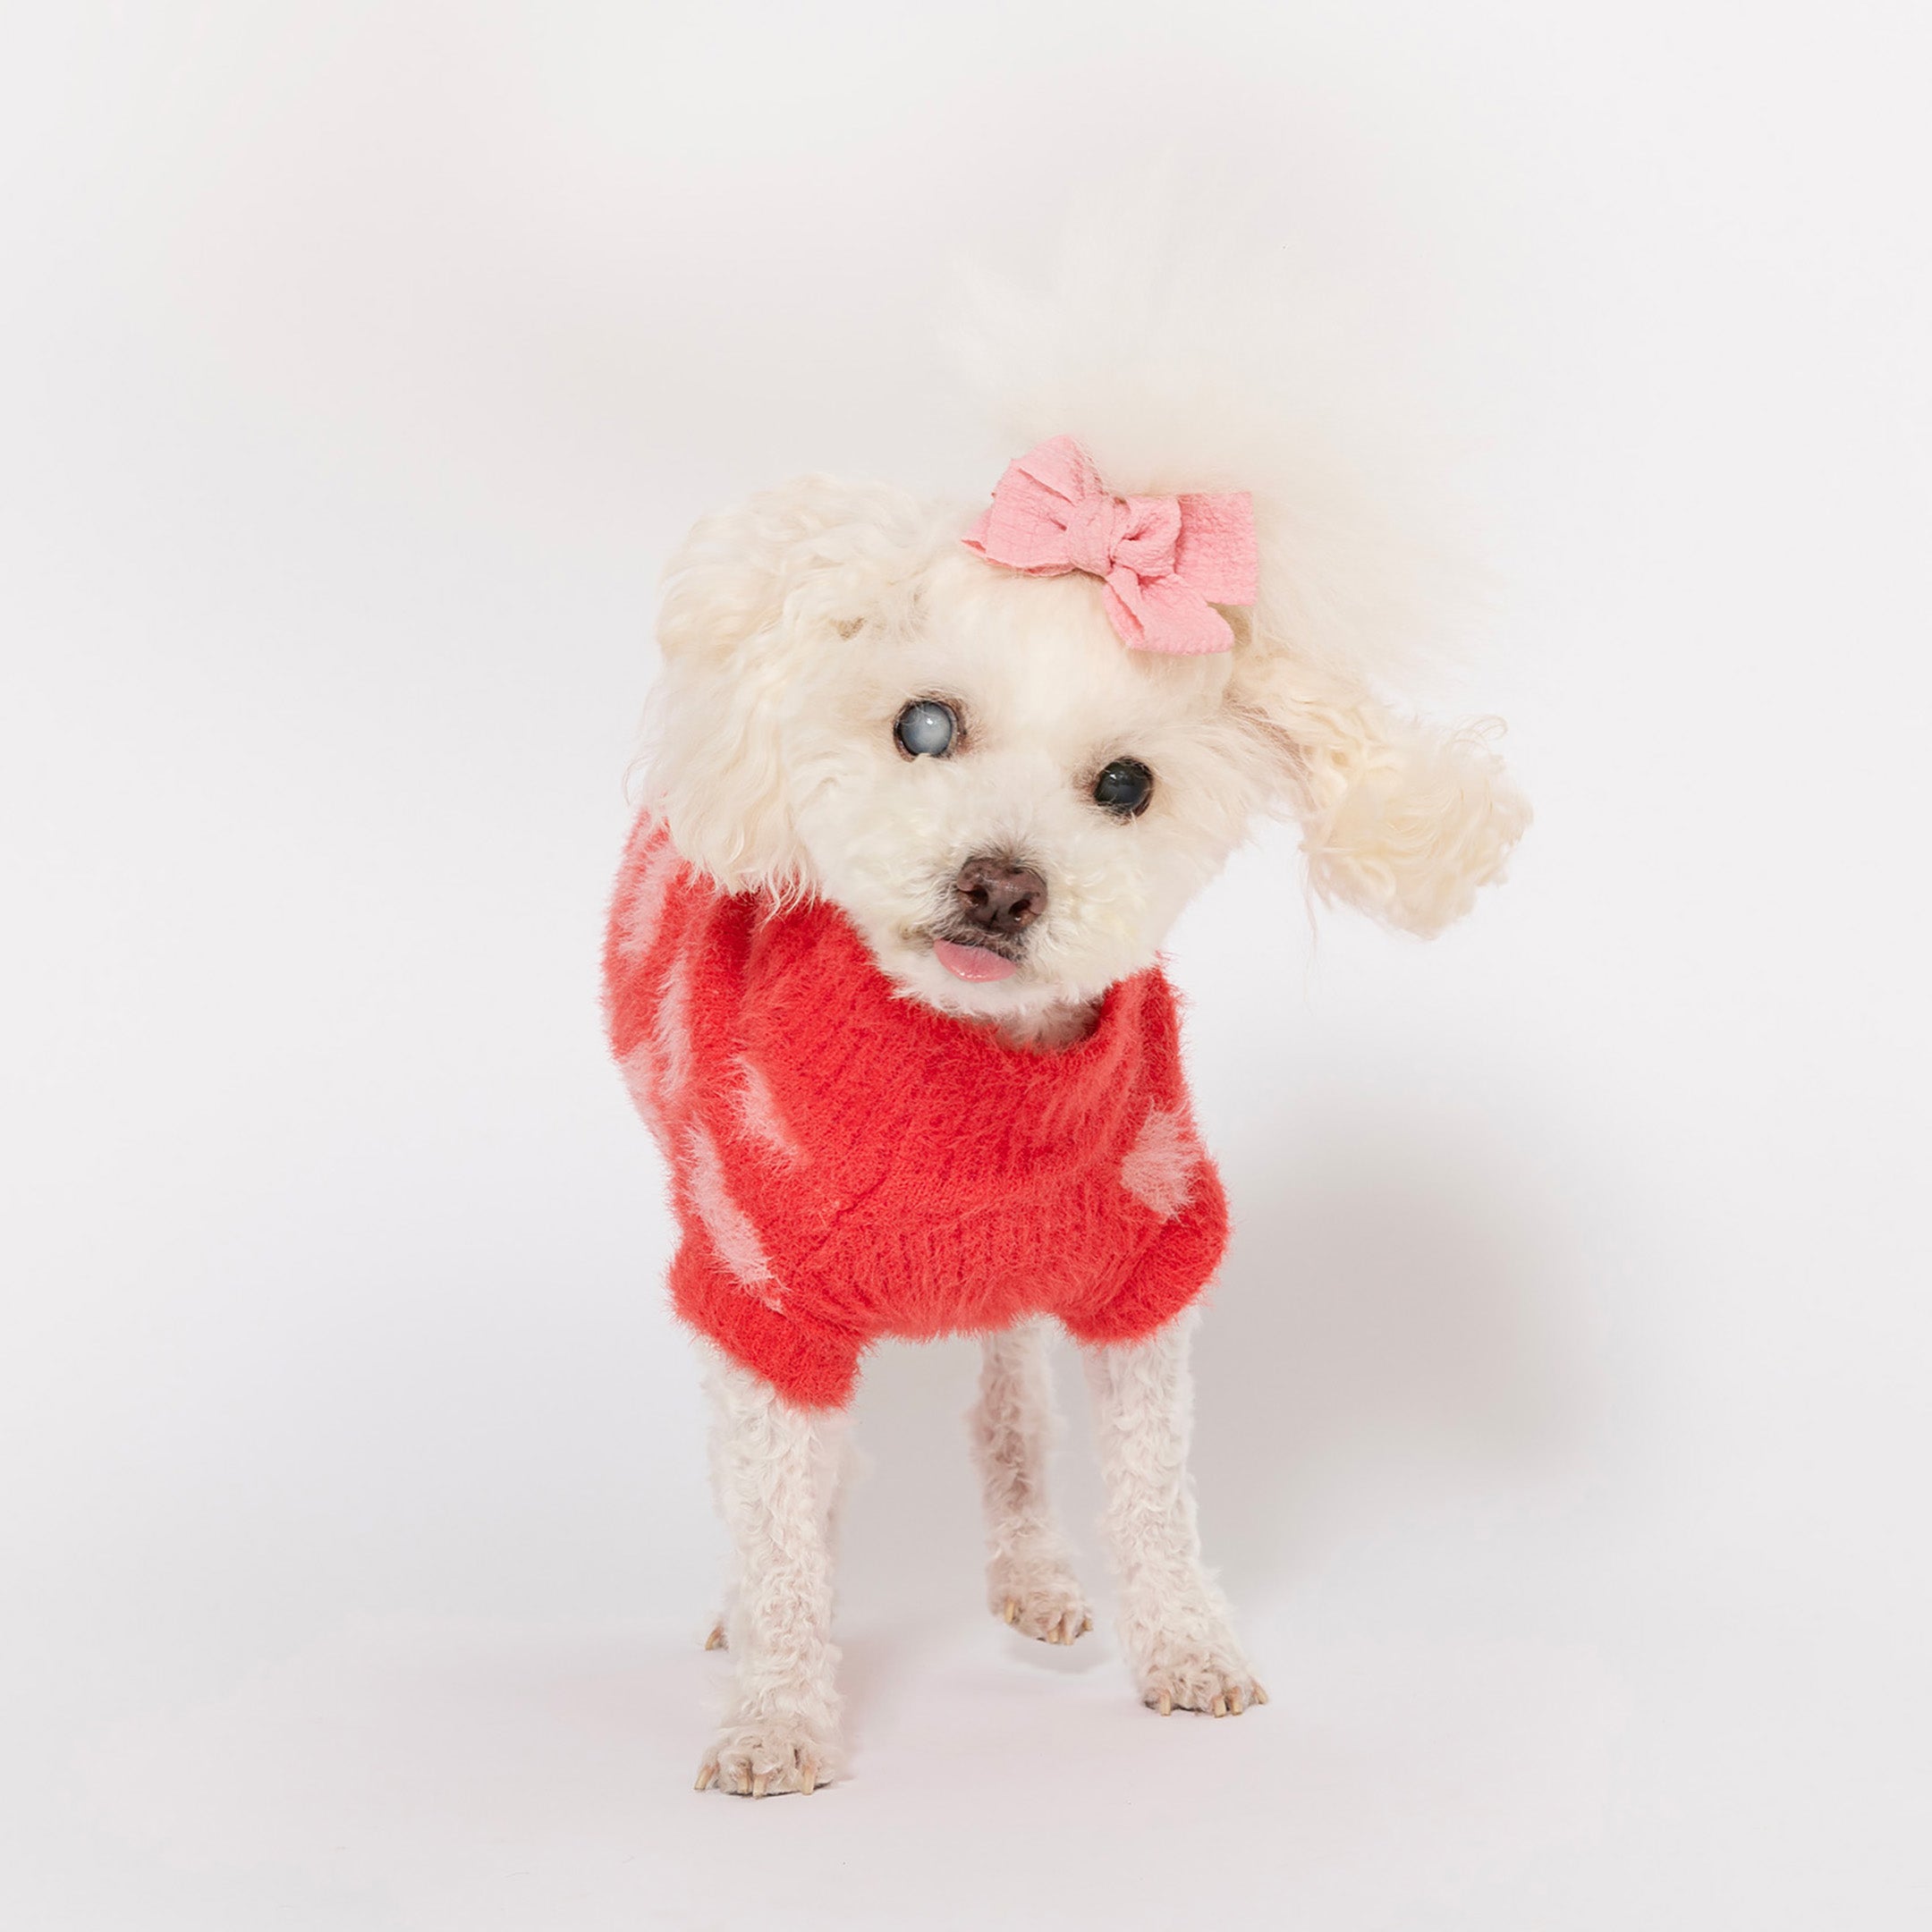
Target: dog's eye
[
  {"x": 1124, "y": 788},
  {"x": 925, "y": 729}
]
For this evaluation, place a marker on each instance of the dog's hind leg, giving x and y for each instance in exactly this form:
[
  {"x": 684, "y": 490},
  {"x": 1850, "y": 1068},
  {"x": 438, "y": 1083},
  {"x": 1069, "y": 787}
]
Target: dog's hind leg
[
  {"x": 775, "y": 1470},
  {"x": 1029, "y": 1577},
  {"x": 1174, "y": 1621}
]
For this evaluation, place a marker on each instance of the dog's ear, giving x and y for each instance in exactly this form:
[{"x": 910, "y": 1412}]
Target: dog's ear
[
  {"x": 1401, "y": 818},
  {"x": 752, "y": 595}
]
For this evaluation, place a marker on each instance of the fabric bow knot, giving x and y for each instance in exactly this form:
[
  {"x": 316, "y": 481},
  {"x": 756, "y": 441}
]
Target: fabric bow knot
[{"x": 1164, "y": 562}]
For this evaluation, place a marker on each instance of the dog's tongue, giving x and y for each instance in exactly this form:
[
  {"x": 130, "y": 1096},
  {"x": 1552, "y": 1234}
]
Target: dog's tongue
[{"x": 972, "y": 963}]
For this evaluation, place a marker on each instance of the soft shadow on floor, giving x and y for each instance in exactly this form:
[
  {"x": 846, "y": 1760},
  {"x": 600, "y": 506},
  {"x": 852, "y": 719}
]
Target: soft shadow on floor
[
  {"x": 1391, "y": 1300},
  {"x": 1393, "y": 1303}
]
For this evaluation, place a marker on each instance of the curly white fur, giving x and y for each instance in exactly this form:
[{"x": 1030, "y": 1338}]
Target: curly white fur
[
  {"x": 1175, "y": 1623},
  {"x": 1029, "y": 1570},
  {"x": 775, "y": 1470},
  {"x": 795, "y": 628}
]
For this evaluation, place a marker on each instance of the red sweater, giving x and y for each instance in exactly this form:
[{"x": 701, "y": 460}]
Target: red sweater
[{"x": 847, "y": 1163}]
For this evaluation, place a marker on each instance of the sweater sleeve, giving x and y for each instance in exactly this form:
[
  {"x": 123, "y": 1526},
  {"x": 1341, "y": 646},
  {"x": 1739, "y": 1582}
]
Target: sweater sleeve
[
  {"x": 808, "y": 1363},
  {"x": 1166, "y": 1277}
]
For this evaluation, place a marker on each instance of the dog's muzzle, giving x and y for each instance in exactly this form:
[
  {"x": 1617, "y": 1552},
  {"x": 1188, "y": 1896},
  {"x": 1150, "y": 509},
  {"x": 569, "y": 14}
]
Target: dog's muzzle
[
  {"x": 995, "y": 899},
  {"x": 998, "y": 897}
]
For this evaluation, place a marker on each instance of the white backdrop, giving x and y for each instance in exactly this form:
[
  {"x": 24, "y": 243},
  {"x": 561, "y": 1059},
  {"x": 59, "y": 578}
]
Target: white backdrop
[{"x": 1564, "y": 1426}]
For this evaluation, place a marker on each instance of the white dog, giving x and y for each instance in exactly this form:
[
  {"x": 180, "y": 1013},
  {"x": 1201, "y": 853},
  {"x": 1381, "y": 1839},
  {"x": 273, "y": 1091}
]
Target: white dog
[{"x": 920, "y": 814}]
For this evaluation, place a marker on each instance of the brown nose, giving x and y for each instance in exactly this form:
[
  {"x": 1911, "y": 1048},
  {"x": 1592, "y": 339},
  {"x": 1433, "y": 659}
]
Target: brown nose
[{"x": 998, "y": 896}]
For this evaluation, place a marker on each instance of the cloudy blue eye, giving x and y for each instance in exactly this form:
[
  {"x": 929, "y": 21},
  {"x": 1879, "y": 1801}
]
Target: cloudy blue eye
[
  {"x": 925, "y": 729},
  {"x": 1124, "y": 788}
]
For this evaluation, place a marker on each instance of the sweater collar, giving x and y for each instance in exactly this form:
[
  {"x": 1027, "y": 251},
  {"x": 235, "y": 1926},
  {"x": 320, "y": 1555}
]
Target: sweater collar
[{"x": 868, "y": 1065}]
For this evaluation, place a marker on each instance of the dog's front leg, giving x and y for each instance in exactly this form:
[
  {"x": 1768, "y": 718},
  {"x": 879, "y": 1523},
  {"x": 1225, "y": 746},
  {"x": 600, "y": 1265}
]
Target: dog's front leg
[
  {"x": 1029, "y": 1573},
  {"x": 1174, "y": 1621},
  {"x": 776, "y": 1471}
]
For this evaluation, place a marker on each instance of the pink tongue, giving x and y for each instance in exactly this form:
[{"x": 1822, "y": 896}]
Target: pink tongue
[{"x": 972, "y": 962}]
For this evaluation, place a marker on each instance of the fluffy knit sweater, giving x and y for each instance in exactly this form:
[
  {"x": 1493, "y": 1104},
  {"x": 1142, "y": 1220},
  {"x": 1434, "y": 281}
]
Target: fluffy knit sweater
[{"x": 847, "y": 1163}]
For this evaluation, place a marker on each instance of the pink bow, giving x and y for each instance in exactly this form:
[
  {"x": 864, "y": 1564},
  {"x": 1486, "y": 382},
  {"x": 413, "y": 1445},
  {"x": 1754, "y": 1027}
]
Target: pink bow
[{"x": 1165, "y": 561}]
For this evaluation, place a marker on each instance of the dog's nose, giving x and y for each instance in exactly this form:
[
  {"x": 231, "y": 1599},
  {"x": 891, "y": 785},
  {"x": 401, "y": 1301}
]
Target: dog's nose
[{"x": 998, "y": 896}]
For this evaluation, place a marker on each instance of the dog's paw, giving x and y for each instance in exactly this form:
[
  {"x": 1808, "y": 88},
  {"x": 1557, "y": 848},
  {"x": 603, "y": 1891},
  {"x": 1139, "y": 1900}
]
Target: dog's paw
[
  {"x": 1207, "y": 1678},
  {"x": 715, "y": 1638},
  {"x": 1039, "y": 1599},
  {"x": 766, "y": 1756}
]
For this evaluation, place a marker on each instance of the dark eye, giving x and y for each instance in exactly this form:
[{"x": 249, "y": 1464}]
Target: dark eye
[
  {"x": 1124, "y": 788},
  {"x": 925, "y": 729}
]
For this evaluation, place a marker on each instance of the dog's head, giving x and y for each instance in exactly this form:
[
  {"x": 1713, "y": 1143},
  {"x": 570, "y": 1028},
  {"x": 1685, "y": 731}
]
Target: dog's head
[{"x": 1010, "y": 805}]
